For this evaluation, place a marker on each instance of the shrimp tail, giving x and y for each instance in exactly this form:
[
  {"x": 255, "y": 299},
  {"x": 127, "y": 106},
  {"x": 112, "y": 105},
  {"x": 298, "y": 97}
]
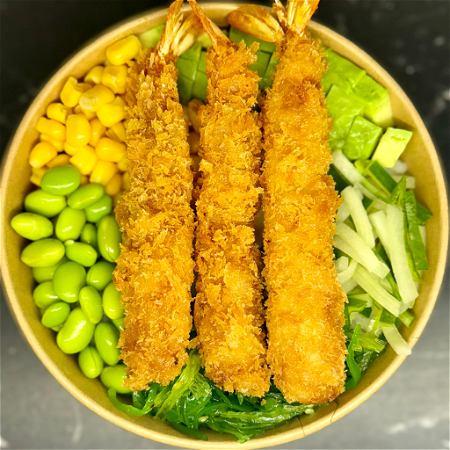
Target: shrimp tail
[
  {"x": 178, "y": 36},
  {"x": 212, "y": 30},
  {"x": 299, "y": 13},
  {"x": 257, "y": 22}
]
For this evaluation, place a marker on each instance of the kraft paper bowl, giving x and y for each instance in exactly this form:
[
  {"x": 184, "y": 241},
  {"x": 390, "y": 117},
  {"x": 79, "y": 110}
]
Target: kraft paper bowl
[{"x": 423, "y": 163}]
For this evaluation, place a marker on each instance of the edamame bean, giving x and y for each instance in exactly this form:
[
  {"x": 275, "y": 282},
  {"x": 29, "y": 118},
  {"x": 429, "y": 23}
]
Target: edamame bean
[
  {"x": 106, "y": 338},
  {"x": 76, "y": 333},
  {"x": 89, "y": 235},
  {"x": 111, "y": 302},
  {"x": 81, "y": 253},
  {"x": 58, "y": 328},
  {"x": 42, "y": 274},
  {"x": 68, "y": 280},
  {"x": 112, "y": 377},
  {"x": 61, "y": 180},
  {"x": 69, "y": 224},
  {"x": 109, "y": 238},
  {"x": 86, "y": 196},
  {"x": 91, "y": 304},
  {"x": 100, "y": 275},
  {"x": 56, "y": 314},
  {"x": 45, "y": 204},
  {"x": 99, "y": 209},
  {"x": 44, "y": 295},
  {"x": 32, "y": 226},
  {"x": 43, "y": 253},
  {"x": 118, "y": 323},
  {"x": 90, "y": 362}
]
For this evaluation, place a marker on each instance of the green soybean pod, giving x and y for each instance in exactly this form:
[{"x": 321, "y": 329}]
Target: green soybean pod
[
  {"x": 109, "y": 238},
  {"x": 89, "y": 235},
  {"x": 113, "y": 377},
  {"x": 44, "y": 295},
  {"x": 99, "y": 209},
  {"x": 43, "y": 253},
  {"x": 45, "y": 204},
  {"x": 106, "y": 339},
  {"x": 118, "y": 323},
  {"x": 111, "y": 302},
  {"x": 91, "y": 304},
  {"x": 42, "y": 274},
  {"x": 68, "y": 280},
  {"x": 56, "y": 314},
  {"x": 81, "y": 253},
  {"x": 32, "y": 226},
  {"x": 90, "y": 362},
  {"x": 86, "y": 196},
  {"x": 69, "y": 224},
  {"x": 100, "y": 275},
  {"x": 61, "y": 180},
  {"x": 76, "y": 333}
]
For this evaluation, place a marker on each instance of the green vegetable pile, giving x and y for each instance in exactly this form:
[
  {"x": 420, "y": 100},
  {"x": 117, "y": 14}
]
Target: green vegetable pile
[{"x": 192, "y": 400}]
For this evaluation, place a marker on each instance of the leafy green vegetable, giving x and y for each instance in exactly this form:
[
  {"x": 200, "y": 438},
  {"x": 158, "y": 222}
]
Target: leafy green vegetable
[{"x": 354, "y": 369}]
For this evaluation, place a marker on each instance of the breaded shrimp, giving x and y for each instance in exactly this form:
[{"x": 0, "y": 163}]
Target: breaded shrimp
[
  {"x": 305, "y": 305},
  {"x": 155, "y": 269},
  {"x": 228, "y": 311}
]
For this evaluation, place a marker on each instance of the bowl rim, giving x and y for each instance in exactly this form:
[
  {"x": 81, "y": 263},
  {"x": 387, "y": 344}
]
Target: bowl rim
[{"x": 264, "y": 441}]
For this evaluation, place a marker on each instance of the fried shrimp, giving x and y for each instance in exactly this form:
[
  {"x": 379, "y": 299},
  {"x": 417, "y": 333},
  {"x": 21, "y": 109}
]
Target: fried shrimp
[
  {"x": 155, "y": 269},
  {"x": 305, "y": 306},
  {"x": 228, "y": 311}
]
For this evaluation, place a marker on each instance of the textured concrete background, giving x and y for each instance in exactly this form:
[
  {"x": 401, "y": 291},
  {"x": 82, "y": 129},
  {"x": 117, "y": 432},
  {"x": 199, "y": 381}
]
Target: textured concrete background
[{"x": 411, "y": 40}]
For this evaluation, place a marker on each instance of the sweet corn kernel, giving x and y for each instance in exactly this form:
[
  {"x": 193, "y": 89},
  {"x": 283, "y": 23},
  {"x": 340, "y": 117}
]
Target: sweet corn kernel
[
  {"x": 113, "y": 187},
  {"x": 112, "y": 113},
  {"x": 37, "y": 174},
  {"x": 94, "y": 76},
  {"x": 125, "y": 181},
  {"x": 42, "y": 153},
  {"x": 123, "y": 51},
  {"x": 84, "y": 180},
  {"x": 60, "y": 160},
  {"x": 84, "y": 160},
  {"x": 51, "y": 127},
  {"x": 59, "y": 145},
  {"x": 78, "y": 130},
  {"x": 110, "y": 150},
  {"x": 97, "y": 131},
  {"x": 115, "y": 78},
  {"x": 58, "y": 112},
  {"x": 71, "y": 92},
  {"x": 96, "y": 97},
  {"x": 70, "y": 150},
  {"x": 88, "y": 114},
  {"x": 123, "y": 164},
  {"x": 117, "y": 132},
  {"x": 116, "y": 199},
  {"x": 103, "y": 172}
]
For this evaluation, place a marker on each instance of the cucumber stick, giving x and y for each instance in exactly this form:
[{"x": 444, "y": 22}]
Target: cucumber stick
[
  {"x": 365, "y": 254},
  {"x": 346, "y": 168},
  {"x": 359, "y": 215},
  {"x": 396, "y": 341},
  {"x": 370, "y": 285},
  {"x": 398, "y": 255}
]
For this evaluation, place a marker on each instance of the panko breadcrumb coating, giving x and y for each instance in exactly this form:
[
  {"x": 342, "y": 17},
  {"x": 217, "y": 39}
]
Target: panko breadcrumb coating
[
  {"x": 228, "y": 311},
  {"x": 305, "y": 306},
  {"x": 155, "y": 269}
]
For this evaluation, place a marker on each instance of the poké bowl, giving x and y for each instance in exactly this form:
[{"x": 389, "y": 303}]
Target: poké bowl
[{"x": 422, "y": 161}]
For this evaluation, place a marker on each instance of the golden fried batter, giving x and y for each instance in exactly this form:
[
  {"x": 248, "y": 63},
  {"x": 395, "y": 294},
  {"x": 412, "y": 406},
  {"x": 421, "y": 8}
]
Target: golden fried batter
[
  {"x": 155, "y": 269},
  {"x": 305, "y": 306},
  {"x": 228, "y": 310}
]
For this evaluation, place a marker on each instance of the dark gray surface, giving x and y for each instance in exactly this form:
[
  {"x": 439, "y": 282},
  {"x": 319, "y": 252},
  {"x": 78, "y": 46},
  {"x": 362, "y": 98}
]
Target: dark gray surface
[{"x": 411, "y": 40}]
